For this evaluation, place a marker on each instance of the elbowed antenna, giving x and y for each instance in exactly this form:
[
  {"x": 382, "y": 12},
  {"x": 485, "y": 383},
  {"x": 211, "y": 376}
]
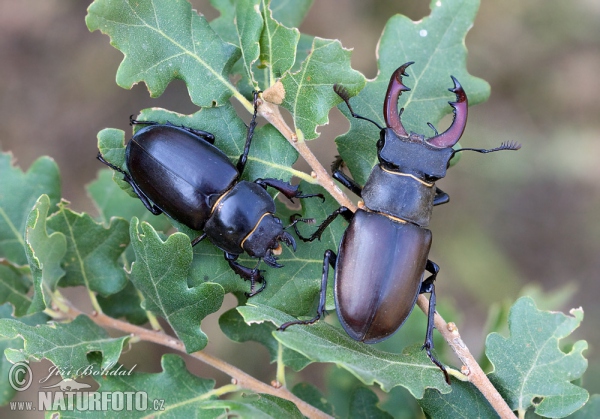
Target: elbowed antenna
[
  {"x": 451, "y": 136},
  {"x": 391, "y": 115}
]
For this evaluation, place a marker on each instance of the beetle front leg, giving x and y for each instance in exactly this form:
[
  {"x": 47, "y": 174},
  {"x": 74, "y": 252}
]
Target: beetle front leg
[
  {"x": 343, "y": 211},
  {"x": 248, "y": 274},
  {"x": 428, "y": 286},
  {"x": 441, "y": 197},
  {"x": 337, "y": 174},
  {"x": 127, "y": 178},
  {"x": 241, "y": 164},
  {"x": 329, "y": 259},
  {"x": 287, "y": 189}
]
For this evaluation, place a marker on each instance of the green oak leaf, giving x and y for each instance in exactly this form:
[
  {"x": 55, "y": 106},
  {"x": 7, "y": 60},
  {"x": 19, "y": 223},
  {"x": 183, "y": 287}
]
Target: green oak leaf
[
  {"x": 290, "y": 13},
  {"x": 18, "y": 193},
  {"x": 530, "y": 369},
  {"x": 363, "y": 404},
  {"x": 248, "y": 23},
  {"x": 163, "y": 40},
  {"x": 277, "y": 44},
  {"x": 160, "y": 272},
  {"x": 7, "y": 392},
  {"x": 93, "y": 251},
  {"x": 436, "y": 45},
  {"x": 464, "y": 401},
  {"x": 258, "y": 405},
  {"x": 45, "y": 254},
  {"x": 313, "y": 396},
  {"x": 322, "y": 342},
  {"x": 234, "y": 327},
  {"x": 126, "y": 303},
  {"x": 14, "y": 287},
  {"x": 111, "y": 201},
  {"x": 178, "y": 393},
  {"x": 309, "y": 91},
  {"x": 66, "y": 345},
  {"x": 590, "y": 410}
]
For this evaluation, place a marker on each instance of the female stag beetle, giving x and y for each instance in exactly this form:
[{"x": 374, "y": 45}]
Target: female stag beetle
[
  {"x": 383, "y": 254},
  {"x": 179, "y": 171}
]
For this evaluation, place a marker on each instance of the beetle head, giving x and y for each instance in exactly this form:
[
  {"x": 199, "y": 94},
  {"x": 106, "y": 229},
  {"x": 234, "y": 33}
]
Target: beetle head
[
  {"x": 428, "y": 157},
  {"x": 265, "y": 241}
]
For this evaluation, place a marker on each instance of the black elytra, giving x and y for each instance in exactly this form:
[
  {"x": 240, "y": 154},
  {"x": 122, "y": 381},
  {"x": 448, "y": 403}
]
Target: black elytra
[
  {"x": 383, "y": 254},
  {"x": 179, "y": 171}
]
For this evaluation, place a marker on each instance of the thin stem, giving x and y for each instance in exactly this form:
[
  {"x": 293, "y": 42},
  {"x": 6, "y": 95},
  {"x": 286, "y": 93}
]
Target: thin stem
[
  {"x": 240, "y": 378},
  {"x": 471, "y": 368},
  {"x": 280, "y": 377}
]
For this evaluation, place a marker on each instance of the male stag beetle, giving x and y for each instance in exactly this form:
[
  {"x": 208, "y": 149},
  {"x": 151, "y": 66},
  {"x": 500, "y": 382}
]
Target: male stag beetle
[
  {"x": 383, "y": 254},
  {"x": 179, "y": 171}
]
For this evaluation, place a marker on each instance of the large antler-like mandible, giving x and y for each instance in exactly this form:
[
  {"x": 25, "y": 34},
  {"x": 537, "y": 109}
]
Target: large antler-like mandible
[
  {"x": 453, "y": 133},
  {"x": 390, "y": 105}
]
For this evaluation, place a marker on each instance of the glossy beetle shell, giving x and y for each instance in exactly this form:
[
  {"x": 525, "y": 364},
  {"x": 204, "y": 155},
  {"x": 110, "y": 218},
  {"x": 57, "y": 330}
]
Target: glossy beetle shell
[
  {"x": 378, "y": 274},
  {"x": 179, "y": 172}
]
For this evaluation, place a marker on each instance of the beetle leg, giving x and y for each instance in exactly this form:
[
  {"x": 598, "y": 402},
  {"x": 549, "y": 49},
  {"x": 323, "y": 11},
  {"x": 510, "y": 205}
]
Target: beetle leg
[
  {"x": 341, "y": 177},
  {"x": 428, "y": 286},
  {"x": 343, "y": 211},
  {"x": 287, "y": 189},
  {"x": 329, "y": 259},
  {"x": 203, "y": 135},
  {"x": 248, "y": 274},
  {"x": 241, "y": 164},
  {"x": 127, "y": 178},
  {"x": 198, "y": 239},
  {"x": 441, "y": 197}
]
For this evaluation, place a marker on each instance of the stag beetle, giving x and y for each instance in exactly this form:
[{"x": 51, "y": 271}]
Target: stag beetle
[
  {"x": 383, "y": 254},
  {"x": 179, "y": 171}
]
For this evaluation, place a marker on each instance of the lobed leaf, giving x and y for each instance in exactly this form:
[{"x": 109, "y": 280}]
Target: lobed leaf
[
  {"x": 18, "y": 193},
  {"x": 7, "y": 392},
  {"x": 45, "y": 254},
  {"x": 277, "y": 42},
  {"x": 313, "y": 396},
  {"x": 234, "y": 327},
  {"x": 436, "y": 45},
  {"x": 530, "y": 369},
  {"x": 14, "y": 287},
  {"x": 464, "y": 401},
  {"x": 160, "y": 272},
  {"x": 363, "y": 404},
  {"x": 93, "y": 251},
  {"x": 163, "y": 40},
  {"x": 322, "y": 342},
  {"x": 309, "y": 92},
  {"x": 177, "y": 393},
  {"x": 258, "y": 405},
  {"x": 66, "y": 345}
]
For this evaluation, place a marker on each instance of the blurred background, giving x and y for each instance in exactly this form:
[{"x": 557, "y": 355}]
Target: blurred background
[{"x": 527, "y": 220}]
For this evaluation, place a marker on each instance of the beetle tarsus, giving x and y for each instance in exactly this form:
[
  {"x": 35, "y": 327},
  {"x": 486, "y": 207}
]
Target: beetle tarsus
[
  {"x": 329, "y": 259},
  {"x": 343, "y": 211}
]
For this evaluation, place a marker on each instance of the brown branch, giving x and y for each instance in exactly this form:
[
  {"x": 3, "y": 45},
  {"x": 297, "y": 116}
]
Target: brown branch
[
  {"x": 471, "y": 368},
  {"x": 239, "y": 377}
]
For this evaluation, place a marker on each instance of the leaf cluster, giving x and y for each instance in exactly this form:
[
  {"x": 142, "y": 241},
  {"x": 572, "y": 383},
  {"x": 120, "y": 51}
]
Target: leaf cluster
[{"x": 132, "y": 268}]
